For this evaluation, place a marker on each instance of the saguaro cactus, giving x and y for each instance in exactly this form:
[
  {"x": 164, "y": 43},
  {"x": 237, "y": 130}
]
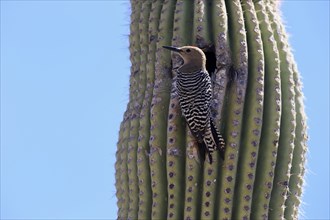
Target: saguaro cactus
[{"x": 258, "y": 106}]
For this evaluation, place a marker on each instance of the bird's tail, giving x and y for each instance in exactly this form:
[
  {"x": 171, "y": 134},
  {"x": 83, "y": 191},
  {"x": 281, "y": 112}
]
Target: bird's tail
[
  {"x": 212, "y": 141},
  {"x": 220, "y": 141}
]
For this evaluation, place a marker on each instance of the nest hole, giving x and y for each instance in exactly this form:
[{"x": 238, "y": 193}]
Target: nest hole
[{"x": 211, "y": 62}]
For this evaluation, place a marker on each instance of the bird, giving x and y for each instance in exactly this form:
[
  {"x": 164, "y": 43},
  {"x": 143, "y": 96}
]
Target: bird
[{"x": 194, "y": 89}]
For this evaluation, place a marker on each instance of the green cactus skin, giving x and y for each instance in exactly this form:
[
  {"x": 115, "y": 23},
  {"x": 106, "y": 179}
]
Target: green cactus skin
[
  {"x": 299, "y": 153},
  {"x": 234, "y": 108},
  {"x": 297, "y": 149},
  {"x": 151, "y": 13},
  {"x": 271, "y": 119},
  {"x": 121, "y": 168},
  {"x": 135, "y": 106},
  {"x": 159, "y": 113},
  {"x": 252, "y": 115},
  {"x": 288, "y": 126},
  {"x": 258, "y": 106}
]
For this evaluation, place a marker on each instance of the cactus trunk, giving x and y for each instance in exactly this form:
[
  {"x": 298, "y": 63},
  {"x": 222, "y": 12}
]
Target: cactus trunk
[{"x": 258, "y": 106}]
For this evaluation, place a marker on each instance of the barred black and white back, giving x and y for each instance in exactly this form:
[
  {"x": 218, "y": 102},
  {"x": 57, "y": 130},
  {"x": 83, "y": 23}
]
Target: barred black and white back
[{"x": 195, "y": 96}]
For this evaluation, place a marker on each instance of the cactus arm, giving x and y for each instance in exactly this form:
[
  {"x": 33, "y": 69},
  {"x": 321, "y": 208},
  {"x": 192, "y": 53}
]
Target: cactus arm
[
  {"x": 159, "y": 114},
  {"x": 288, "y": 125},
  {"x": 176, "y": 142},
  {"x": 271, "y": 119},
  {"x": 148, "y": 45},
  {"x": 253, "y": 110}
]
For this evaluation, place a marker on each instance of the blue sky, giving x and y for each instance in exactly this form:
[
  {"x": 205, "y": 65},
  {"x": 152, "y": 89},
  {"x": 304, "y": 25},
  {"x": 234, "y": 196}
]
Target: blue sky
[{"x": 64, "y": 88}]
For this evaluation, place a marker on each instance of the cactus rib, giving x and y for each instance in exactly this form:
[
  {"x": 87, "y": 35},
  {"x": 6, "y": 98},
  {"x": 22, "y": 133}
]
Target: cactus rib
[
  {"x": 148, "y": 44},
  {"x": 159, "y": 112},
  {"x": 253, "y": 110},
  {"x": 271, "y": 119},
  {"x": 288, "y": 125},
  {"x": 236, "y": 97}
]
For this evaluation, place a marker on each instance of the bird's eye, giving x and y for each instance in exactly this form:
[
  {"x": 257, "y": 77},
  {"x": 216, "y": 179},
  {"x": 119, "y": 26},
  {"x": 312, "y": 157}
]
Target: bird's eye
[{"x": 188, "y": 50}]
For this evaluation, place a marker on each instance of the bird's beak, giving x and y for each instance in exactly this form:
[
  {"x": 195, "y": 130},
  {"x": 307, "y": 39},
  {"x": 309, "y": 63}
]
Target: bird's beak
[{"x": 174, "y": 49}]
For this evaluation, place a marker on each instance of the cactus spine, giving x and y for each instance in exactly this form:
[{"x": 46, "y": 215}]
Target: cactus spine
[{"x": 258, "y": 106}]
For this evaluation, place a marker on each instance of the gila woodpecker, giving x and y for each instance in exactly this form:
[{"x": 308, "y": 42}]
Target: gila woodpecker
[{"x": 195, "y": 95}]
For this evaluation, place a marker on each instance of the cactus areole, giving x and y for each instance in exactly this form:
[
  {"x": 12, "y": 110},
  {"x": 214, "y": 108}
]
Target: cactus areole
[{"x": 257, "y": 105}]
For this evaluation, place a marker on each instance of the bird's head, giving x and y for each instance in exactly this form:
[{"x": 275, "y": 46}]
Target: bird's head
[{"x": 194, "y": 58}]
